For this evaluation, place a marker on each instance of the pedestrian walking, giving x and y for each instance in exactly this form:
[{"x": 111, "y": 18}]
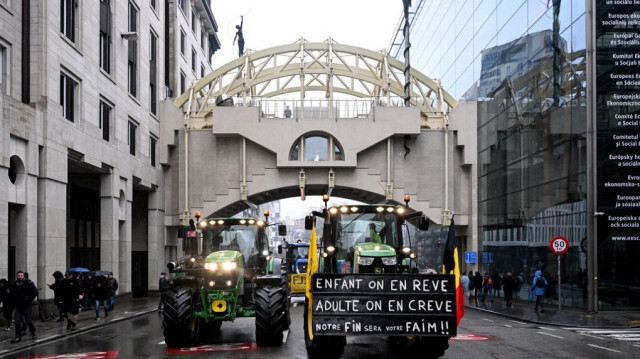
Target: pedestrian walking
[
  {"x": 6, "y": 298},
  {"x": 56, "y": 286},
  {"x": 87, "y": 288},
  {"x": 477, "y": 285},
  {"x": 101, "y": 293},
  {"x": 113, "y": 288},
  {"x": 71, "y": 298},
  {"x": 24, "y": 292},
  {"x": 497, "y": 284},
  {"x": 163, "y": 286},
  {"x": 487, "y": 287},
  {"x": 538, "y": 288},
  {"x": 465, "y": 284},
  {"x": 508, "y": 285}
]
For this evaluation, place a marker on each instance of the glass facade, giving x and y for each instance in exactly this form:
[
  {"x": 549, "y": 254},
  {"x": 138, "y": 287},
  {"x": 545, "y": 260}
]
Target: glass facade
[{"x": 524, "y": 62}]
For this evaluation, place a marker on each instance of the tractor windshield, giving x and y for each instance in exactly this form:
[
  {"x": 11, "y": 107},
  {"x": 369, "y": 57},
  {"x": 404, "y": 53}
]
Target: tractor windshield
[
  {"x": 242, "y": 238},
  {"x": 356, "y": 228}
]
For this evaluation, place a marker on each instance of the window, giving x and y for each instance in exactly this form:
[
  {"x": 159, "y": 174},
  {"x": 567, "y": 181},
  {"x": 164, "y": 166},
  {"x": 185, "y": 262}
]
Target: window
[
  {"x": 68, "y": 12},
  {"x": 202, "y": 40},
  {"x": 131, "y": 139},
  {"x": 194, "y": 60},
  {"x": 182, "y": 5},
  {"x": 193, "y": 21},
  {"x": 183, "y": 41},
  {"x": 132, "y": 65},
  {"x": 183, "y": 83},
  {"x": 153, "y": 73},
  {"x": 152, "y": 150},
  {"x": 105, "y": 120},
  {"x": 202, "y": 70},
  {"x": 154, "y": 5},
  {"x": 67, "y": 96},
  {"x": 4, "y": 75},
  {"x": 316, "y": 148},
  {"x": 105, "y": 35}
]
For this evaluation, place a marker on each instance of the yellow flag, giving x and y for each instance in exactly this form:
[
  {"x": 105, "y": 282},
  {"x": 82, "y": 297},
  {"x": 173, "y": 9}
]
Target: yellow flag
[
  {"x": 312, "y": 267},
  {"x": 312, "y": 260}
]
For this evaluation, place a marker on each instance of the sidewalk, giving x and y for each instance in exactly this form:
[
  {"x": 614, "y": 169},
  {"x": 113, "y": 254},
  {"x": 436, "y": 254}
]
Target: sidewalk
[
  {"x": 523, "y": 310},
  {"x": 126, "y": 307}
]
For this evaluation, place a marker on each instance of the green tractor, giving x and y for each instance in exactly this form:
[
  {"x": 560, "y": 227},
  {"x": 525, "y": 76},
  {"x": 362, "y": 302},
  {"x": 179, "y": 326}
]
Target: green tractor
[
  {"x": 228, "y": 272},
  {"x": 366, "y": 283}
]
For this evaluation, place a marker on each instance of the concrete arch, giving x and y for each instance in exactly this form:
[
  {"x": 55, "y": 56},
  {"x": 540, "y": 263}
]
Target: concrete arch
[{"x": 327, "y": 67}]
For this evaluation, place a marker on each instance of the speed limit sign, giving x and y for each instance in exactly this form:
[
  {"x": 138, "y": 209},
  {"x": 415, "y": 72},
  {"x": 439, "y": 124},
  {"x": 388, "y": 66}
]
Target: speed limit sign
[{"x": 559, "y": 245}]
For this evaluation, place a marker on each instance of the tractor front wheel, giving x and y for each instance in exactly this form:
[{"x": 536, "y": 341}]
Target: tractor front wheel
[
  {"x": 271, "y": 318},
  {"x": 177, "y": 320}
]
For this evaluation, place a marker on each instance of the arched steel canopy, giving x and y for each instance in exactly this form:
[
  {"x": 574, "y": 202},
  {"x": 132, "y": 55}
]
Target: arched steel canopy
[{"x": 304, "y": 67}]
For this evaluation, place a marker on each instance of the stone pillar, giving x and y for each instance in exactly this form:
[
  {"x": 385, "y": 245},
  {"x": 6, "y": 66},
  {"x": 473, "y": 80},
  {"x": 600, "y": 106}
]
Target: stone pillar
[
  {"x": 156, "y": 235},
  {"x": 123, "y": 273},
  {"x": 109, "y": 223}
]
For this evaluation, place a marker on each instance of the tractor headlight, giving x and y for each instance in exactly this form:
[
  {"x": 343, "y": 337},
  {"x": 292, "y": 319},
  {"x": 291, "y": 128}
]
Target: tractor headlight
[
  {"x": 210, "y": 266},
  {"x": 365, "y": 261},
  {"x": 389, "y": 261},
  {"x": 229, "y": 265}
]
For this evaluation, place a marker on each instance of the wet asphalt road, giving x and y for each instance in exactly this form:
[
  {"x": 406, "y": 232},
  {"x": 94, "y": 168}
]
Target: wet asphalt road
[{"x": 489, "y": 336}]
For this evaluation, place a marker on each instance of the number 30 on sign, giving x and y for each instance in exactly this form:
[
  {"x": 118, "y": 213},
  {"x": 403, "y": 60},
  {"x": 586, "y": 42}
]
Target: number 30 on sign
[{"x": 559, "y": 245}]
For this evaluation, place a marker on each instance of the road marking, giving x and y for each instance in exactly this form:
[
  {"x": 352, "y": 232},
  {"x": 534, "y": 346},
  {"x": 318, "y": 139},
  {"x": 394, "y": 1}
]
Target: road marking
[
  {"x": 551, "y": 335},
  {"x": 508, "y": 326},
  {"x": 545, "y": 328},
  {"x": 515, "y": 321},
  {"x": 592, "y": 336},
  {"x": 162, "y": 343},
  {"x": 488, "y": 320},
  {"x": 285, "y": 335},
  {"x": 599, "y": 347}
]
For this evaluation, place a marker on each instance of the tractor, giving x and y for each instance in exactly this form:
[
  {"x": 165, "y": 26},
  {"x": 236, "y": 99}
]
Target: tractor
[
  {"x": 364, "y": 281},
  {"x": 296, "y": 256},
  {"x": 227, "y": 272}
]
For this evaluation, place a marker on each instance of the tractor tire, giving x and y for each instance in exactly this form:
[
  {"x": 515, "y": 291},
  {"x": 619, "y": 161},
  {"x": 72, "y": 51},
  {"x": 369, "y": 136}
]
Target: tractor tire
[
  {"x": 432, "y": 348},
  {"x": 325, "y": 347},
  {"x": 177, "y": 318},
  {"x": 271, "y": 318}
]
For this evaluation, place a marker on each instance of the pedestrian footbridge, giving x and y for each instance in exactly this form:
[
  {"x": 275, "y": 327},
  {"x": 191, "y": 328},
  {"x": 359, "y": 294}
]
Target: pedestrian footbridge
[{"x": 313, "y": 118}]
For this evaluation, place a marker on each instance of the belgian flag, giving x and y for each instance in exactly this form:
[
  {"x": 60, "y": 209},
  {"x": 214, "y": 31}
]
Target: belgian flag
[{"x": 450, "y": 266}]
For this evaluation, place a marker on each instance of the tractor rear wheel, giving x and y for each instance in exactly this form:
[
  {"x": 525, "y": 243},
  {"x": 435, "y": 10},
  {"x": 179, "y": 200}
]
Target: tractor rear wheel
[
  {"x": 177, "y": 321},
  {"x": 271, "y": 318},
  {"x": 325, "y": 347}
]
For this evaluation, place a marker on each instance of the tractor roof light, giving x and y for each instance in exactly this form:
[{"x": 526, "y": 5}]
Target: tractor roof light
[
  {"x": 379, "y": 209},
  {"x": 220, "y": 222},
  {"x": 406, "y": 250},
  {"x": 265, "y": 253},
  {"x": 260, "y": 223},
  {"x": 192, "y": 259},
  {"x": 407, "y": 199},
  {"x": 212, "y": 283},
  {"x": 251, "y": 221},
  {"x": 333, "y": 210},
  {"x": 213, "y": 223},
  {"x": 197, "y": 214},
  {"x": 331, "y": 248},
  {"x": 325, "y": 198},
  {"x": 344, "y": 209},
  {"x": 242, "y": 221},
  {"x": 390, "y": 209},
  {"x": 266, "y": 213},
  {"x": 354, "y": 209},
  {"x": 324, "y": 255},
  {"x": 413, "y": 255},
  {"x": 400, "y": 210},
  {"x": 269, "y": 258},
  {"x": 203, "y": 224}
]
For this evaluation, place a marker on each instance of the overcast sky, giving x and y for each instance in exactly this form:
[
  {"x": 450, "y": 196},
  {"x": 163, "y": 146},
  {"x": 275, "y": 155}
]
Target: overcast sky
[{"x": 364, "y": 23}]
